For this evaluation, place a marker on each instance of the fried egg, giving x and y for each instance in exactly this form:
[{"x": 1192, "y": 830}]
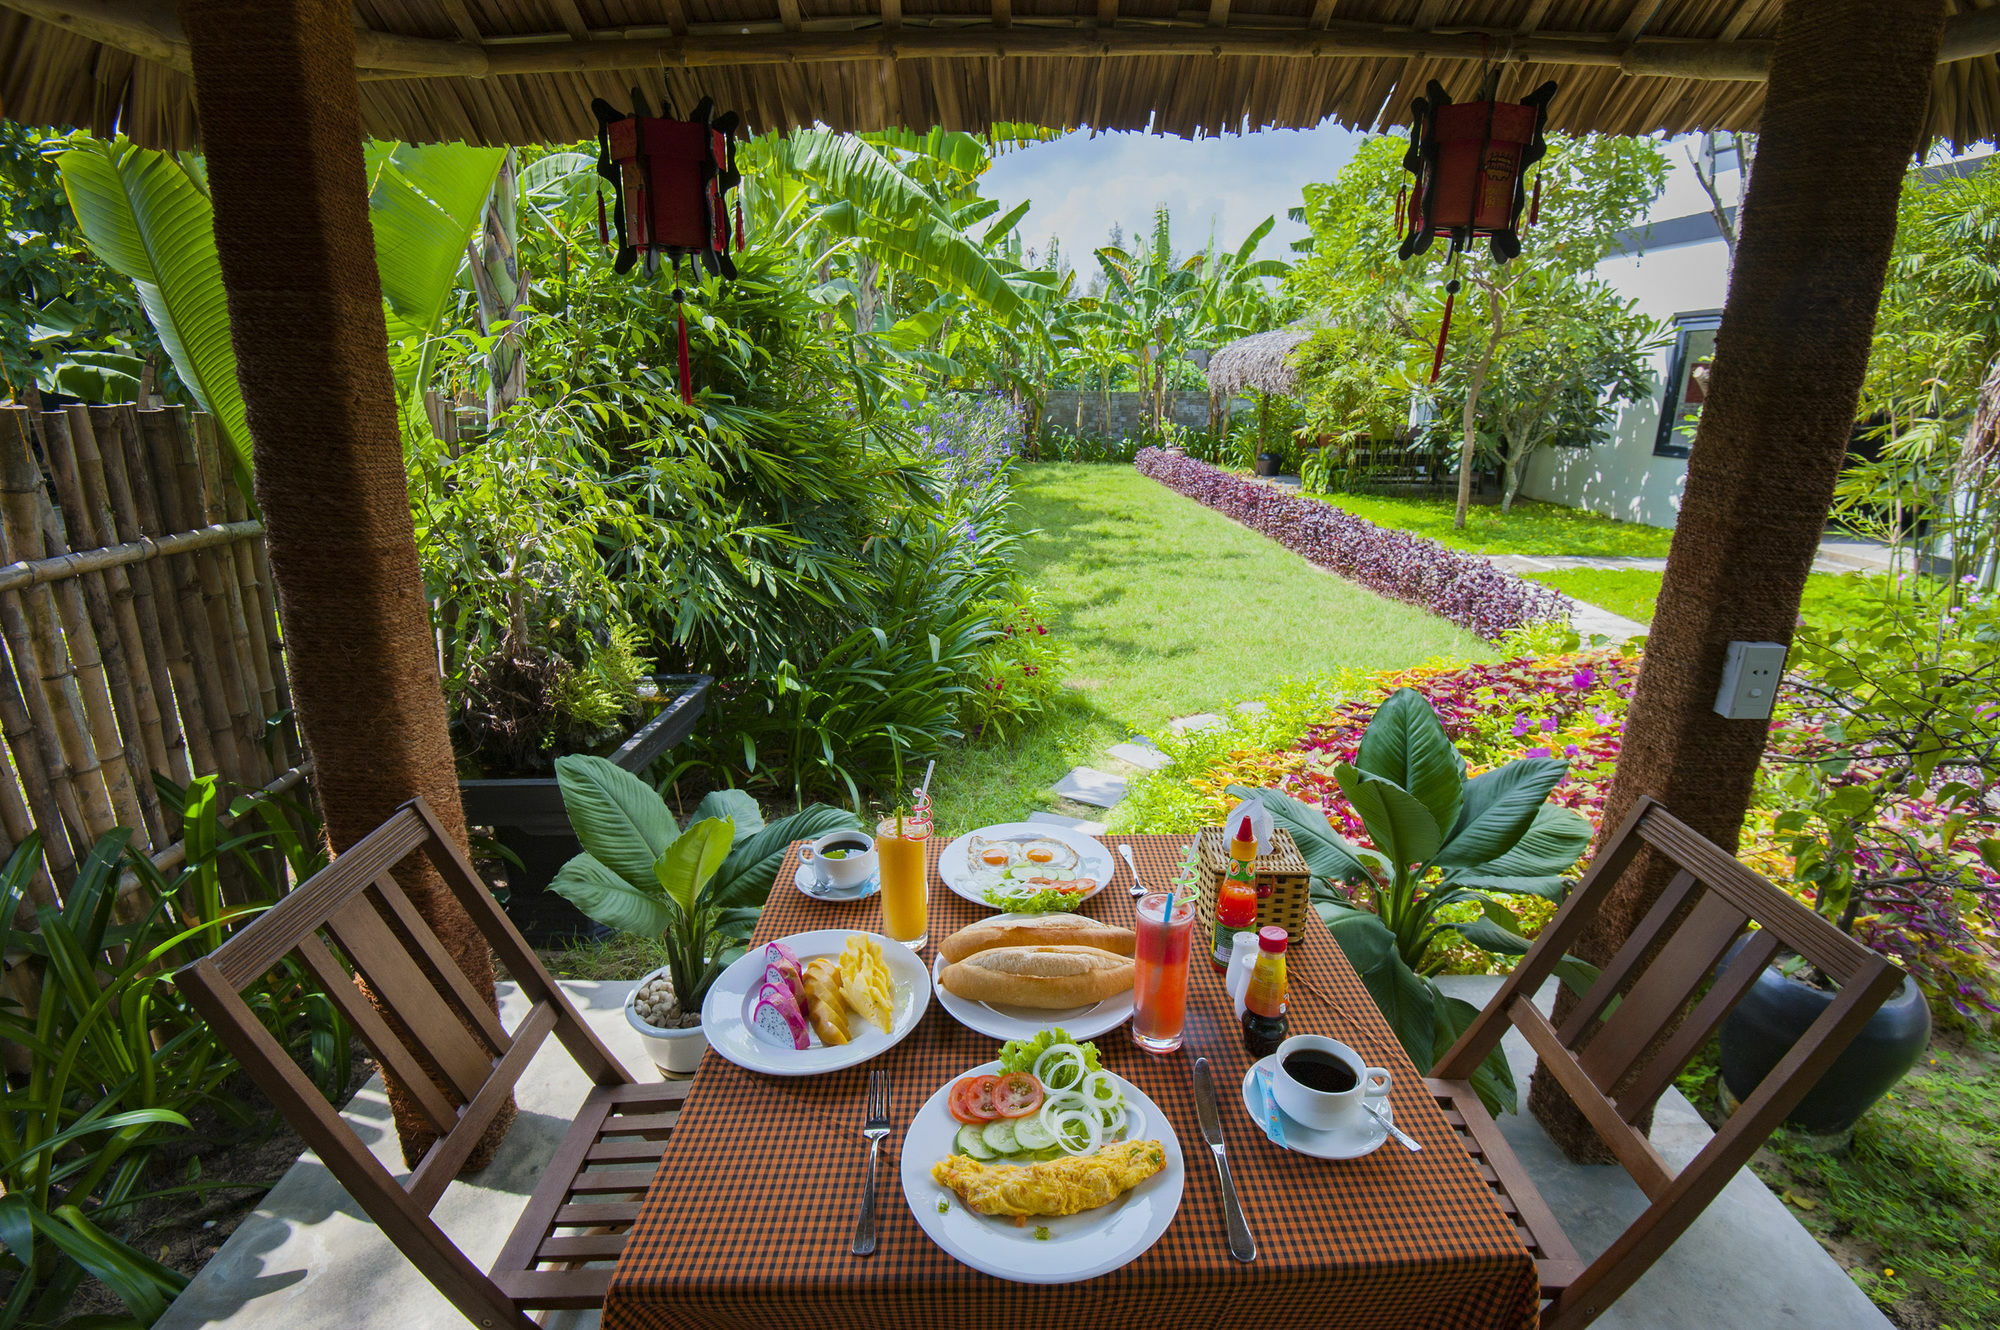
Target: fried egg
[
  {"x": 983, "y": 853},
  {"x": 1050, "y": 855}
]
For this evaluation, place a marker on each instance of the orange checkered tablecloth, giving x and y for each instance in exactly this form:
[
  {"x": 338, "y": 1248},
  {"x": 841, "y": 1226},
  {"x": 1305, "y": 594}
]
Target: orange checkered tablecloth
[{"x": 747, "y": 1223}]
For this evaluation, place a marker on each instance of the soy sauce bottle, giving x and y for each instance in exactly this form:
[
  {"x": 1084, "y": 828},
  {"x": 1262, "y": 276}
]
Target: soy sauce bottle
[{"x": 1264, "y": 1002}]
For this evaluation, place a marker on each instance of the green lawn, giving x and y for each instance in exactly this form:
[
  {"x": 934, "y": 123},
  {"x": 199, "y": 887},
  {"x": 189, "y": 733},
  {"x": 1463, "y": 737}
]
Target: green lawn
[
  {"x": 1632, "y": 591},
  {"x": 1168, "y": 608},
  {"x": 1532, "y": 528}
]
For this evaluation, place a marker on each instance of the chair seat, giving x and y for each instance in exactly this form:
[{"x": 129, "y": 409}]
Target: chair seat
[
  {"x": 1556, "y": 1262},
  {"x": 589, "y": 1197}
]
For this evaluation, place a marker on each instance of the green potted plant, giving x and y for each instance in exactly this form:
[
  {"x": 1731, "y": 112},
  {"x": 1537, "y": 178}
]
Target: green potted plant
[
  {"x": 698, "y": 890},
  {"x": 1440, "y": 840}
]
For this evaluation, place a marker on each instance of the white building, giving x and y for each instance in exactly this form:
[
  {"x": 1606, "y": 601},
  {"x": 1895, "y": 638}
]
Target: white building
[{"x": 1677, "y": 268}]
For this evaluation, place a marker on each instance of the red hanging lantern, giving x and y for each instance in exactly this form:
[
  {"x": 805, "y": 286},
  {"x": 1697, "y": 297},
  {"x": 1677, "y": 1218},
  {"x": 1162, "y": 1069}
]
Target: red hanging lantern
[
  {"x": 1471, "y": 160},
  {"x": 671, "y": 179}
]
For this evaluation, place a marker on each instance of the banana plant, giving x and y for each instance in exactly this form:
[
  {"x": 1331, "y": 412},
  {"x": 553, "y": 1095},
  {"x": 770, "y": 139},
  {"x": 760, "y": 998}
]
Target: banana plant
[
  {"x": 1439, "y": 840},
  {"x": 147, "y": 214},
  {"x": 698, "y": 890}
]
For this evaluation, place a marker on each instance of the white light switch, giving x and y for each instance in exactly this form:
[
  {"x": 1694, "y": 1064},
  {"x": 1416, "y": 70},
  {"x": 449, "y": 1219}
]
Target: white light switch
[{"x": 1750, "y": 680}]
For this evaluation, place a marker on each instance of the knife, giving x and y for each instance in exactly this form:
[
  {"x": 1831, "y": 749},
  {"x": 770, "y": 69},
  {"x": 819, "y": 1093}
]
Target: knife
[{"x": 1241, "y": 1245}]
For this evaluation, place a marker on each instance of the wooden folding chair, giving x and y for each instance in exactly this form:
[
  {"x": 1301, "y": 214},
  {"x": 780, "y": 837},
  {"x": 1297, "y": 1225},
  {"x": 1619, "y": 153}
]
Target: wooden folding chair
[
  {"x": 598, "y": 1174},
  {"x": 1610, "y": 1057}
]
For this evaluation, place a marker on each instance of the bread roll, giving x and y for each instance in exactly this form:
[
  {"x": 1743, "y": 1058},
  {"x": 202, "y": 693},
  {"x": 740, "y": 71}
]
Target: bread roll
[
  {"x": 1046, "y": 978},
  {"x": 1042, "y": 930}
]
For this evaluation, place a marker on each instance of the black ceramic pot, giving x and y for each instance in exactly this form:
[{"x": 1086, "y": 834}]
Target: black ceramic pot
[
  {"x": 1269, "y": 464},
  {"x": 1778, "y": 1009}
]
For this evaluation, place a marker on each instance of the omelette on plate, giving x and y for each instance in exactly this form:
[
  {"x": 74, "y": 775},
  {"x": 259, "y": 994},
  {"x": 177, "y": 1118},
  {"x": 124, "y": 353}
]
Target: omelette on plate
[{"x": 1054, "y": 1187}]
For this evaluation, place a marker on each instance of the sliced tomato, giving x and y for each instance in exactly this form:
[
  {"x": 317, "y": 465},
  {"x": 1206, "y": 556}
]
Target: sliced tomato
[
  {"x": 972, "y": 1099},
  {"x": 1017, "y": 1095}
]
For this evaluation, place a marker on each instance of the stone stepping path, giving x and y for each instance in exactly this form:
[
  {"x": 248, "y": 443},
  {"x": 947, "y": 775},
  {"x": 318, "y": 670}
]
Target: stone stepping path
[
  {"x": 1086, "y": 785},
  {"x": 1141, "y": 753},
  {"x": 1079, "y": 825},
  {"x": 1206, "y": 720}
]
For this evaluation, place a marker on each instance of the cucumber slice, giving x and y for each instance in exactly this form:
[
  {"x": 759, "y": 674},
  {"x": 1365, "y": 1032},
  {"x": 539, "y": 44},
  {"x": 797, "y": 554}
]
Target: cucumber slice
[
  {"x": 1030, "y": 1134},
  {"x": 1000, "y": 1138},
  {"x": 972, "y": 1141}
]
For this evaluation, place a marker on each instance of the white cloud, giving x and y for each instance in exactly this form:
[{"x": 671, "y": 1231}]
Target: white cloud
[{"x": 1080, "y": 185}]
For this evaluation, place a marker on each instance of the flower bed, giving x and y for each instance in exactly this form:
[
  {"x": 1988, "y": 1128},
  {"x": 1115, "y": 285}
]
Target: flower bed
[
  {"x": 1465, "y": 589},
  {"x": 1573, "y": 706}
]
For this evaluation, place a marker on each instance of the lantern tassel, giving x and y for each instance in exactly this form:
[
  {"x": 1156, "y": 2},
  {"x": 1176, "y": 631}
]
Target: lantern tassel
[
  {"x": 687, "y": 375},
  {"x": 1444, "y": 328},
  {"x": 1535, "y": 208},
  {"x": 1402, "y": 208},
  {"x": 603, "y": 226},
  {"x": 739, "y": 225}
]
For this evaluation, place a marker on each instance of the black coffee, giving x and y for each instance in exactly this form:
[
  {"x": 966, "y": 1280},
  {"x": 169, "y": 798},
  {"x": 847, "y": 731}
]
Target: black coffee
[{"x": 1320, "y": 1071}]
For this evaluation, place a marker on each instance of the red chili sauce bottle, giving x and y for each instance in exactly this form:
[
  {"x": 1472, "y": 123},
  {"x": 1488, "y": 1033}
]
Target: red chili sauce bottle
[{"x": 1236, "y": 902}]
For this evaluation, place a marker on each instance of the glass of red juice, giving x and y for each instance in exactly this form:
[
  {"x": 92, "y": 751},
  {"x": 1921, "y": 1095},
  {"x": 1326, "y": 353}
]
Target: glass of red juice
[{"x": 1160, "y": 973}]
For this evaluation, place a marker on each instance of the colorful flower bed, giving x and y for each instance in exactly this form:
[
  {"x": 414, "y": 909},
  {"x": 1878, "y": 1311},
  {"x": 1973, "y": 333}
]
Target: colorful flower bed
[
  {"x": 1465, "y": 589},
  {"x": 1573, "y": 706}
]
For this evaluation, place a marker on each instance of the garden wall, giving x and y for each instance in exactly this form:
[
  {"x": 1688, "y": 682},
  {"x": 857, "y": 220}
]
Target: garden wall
[
  {"x": 140, "y": 631},
  {"x": 1130, "y": 416},
  {"x": 1463, "y": 588}
]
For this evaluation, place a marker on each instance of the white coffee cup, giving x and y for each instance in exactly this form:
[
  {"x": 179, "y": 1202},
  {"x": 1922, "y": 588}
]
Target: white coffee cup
[
  {"x": 1325, "y": 1110},
  {"x": 850, "y": 870}
]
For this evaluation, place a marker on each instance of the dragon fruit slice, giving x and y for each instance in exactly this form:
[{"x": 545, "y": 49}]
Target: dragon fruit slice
[
  {"x": 778, "y": 951},
  {"x": 776, "y": 1019}
]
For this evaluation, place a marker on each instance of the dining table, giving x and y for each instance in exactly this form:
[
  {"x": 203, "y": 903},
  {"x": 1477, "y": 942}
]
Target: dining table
[{"x": 746, "y": 1225}]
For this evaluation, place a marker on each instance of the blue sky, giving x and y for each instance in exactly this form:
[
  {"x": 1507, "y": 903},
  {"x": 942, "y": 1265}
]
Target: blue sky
[{"x": 1080, "y": 185}]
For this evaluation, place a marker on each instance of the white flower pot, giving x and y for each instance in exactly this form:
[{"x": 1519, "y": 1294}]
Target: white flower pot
[{"x": 675, "y": 1053}]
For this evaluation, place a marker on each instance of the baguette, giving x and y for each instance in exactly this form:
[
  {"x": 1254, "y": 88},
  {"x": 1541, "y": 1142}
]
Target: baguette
[
  {"x": 1042, "y": 930},
  {"x": 1045, "y": 978}
]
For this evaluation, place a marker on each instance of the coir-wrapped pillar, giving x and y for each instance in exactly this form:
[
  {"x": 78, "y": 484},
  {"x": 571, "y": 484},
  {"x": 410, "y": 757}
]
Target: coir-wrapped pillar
[{"x": 281, "y": 126}]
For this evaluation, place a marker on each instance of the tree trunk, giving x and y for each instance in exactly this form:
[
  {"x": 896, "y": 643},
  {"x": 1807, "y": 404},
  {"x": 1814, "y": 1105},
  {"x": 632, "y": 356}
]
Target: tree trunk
[
  {"x": 1473, "y": 385},
  {"x": 305, "y": 312},
  {"x": 1510, "y": 480},
  {"x": 499, "y": 291},
  {"x": 1790, "y": 357}
]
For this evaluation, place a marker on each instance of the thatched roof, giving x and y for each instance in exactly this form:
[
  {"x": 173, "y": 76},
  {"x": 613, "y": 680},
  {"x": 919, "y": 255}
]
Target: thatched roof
[
  {"x": 524, "y": 71},
  {"x": 1262, "y": 361}
]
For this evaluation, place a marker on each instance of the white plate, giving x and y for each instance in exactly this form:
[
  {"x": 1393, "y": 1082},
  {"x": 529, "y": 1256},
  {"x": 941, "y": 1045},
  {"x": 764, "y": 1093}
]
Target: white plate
[
  {"x": 725, "y": 1013},
  {"x": 1362, "y": 1137},
  {"x": 1081, "y": 1246},
  {"x": 1094, "y": 861},
  {"x": 1003, "y": 1021},
  {"x": 836, "y": 894}
]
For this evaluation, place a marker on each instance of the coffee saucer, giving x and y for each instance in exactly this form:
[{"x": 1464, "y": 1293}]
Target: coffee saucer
[
  {"x": 1359, "y": 1138},
  {"x": 811, "y": 888}
]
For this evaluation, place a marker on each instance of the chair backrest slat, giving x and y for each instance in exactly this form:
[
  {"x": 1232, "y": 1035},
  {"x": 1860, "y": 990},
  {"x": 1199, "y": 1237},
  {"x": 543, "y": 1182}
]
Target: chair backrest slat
[
  {"x": 443, "y": 1162},
  {"x": 1634, "y": 1151},
  {"x": 1759, "y": 949},
  {"x": 1662, "y": 989},
  {"x": 1636, "y": 949},
  {"x": 399, "y": 984},
  {"x": 417, "y": 937},
  {"x": 375, "y": 1032}
]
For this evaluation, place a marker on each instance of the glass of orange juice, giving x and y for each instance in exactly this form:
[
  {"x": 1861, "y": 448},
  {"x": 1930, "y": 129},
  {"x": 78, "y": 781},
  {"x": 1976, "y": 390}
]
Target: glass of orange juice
[{"x": 905, "y": 880}]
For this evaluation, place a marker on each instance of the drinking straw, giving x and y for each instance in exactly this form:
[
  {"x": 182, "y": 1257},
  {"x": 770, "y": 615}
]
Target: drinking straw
[{"x": 929, "y": 767}]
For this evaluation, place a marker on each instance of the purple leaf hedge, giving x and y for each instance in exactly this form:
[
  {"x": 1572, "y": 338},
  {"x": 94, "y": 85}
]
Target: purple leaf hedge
[{"x": 1463, "y": 588}]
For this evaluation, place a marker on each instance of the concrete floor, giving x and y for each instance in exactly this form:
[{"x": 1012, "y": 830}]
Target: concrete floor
[{"x": 308, "y": 1259}]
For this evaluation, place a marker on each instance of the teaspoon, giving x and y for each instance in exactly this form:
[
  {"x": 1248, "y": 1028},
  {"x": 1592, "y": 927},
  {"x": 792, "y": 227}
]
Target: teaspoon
[{"x": 1138, "y": 887}]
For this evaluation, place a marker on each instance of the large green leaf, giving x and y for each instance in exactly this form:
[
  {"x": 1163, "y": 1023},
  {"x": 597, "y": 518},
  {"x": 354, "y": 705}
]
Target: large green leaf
[
  {"x": 746, "y": 875},
  {"x": 735, "y": 805},
  {"x": 611, "y": 900},
  {"x": 423, "y": 202},
  {"x": 143, "y": 1284},
  {"x": 1551, "y": 845},
  {"x": 1404, "y": 743},
  {"x": 1401, "y": 827},
  {"x": 849, "y": 167},
  {"x": 1407, "y": 1000},
  {"x": 621, "y": 820},
  {"x": 929, "y": 247},
  {"x": 149, "y": 218},
  {"x": 1329, "y": 854},
  {"x": 1499, "y": 807},
  {"x": 685, "y": 869}
]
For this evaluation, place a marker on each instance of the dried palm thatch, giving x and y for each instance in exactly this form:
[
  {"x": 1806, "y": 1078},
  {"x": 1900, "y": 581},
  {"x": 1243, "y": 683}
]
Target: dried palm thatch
[
  {"x": 495, "y": 71},
  {"x": 1262, "y": 361}
]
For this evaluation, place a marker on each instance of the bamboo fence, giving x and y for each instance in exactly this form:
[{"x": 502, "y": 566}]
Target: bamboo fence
[{"x": 139, "y": 628}]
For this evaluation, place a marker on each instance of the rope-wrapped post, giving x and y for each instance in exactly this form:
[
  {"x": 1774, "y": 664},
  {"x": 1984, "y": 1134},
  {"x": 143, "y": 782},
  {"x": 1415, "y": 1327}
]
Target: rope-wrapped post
[{"x": 1850, "y": 81}]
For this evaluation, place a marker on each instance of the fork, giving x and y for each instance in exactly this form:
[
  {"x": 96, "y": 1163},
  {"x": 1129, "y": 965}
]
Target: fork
[{"x": 874, "y": 1126}]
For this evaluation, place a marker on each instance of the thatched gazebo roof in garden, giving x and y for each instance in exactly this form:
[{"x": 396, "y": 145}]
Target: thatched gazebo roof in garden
[
  {"x": 524, "y": 71},
  {"x": 1262, "y": 361}
]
